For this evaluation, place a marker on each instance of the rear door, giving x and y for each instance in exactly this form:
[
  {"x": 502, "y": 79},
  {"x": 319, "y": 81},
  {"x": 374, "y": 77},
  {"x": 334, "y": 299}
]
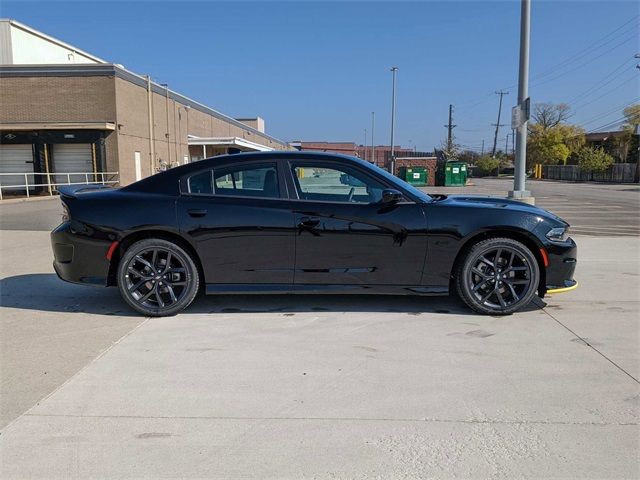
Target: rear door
[
  {"x": 345, "y": 236},
  {"x": 240, "y": 220}
]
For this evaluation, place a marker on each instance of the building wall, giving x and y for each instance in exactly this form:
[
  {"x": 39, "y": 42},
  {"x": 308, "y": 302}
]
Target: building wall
[
  {"x": 430, "y": 163},
  {"x": 22, "y": 45},
  {"x": 57, "y": 99},
  {"x": 170, "y": 135}
]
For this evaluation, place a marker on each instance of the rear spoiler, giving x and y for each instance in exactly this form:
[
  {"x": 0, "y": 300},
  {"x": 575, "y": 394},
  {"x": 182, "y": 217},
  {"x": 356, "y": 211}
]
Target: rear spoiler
[{"x": 72, "y": 191}]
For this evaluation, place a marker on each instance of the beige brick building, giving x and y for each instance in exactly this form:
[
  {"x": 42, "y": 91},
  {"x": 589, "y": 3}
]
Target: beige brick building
[{"x": 82, "y": 118}]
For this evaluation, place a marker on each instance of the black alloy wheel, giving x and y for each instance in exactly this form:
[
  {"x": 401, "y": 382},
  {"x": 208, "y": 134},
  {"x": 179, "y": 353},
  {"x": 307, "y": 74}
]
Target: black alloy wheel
[
  {"x": 497, "y": 276},
  {"x": 157, "y": 278}
]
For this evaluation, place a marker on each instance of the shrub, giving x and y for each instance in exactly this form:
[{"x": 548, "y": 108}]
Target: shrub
[
  {"x": 487, "y": 165},
  {"x": 594, "y": 159}
]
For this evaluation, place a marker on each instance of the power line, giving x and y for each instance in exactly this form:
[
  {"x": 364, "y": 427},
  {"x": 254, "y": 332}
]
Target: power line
[
  {"x": 589, "y": 50},
  {"x": 599, "y": 84},
  {"x": 607, "y": 92},
  {"x": 591, "y": 60}
]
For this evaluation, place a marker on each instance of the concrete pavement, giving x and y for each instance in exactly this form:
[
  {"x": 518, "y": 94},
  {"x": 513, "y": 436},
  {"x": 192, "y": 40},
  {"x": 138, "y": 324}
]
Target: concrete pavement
[{"x": 329, "y": 387}]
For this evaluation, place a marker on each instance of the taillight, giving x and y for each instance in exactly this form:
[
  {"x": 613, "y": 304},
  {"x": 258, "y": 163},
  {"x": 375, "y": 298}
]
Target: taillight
[{"x": 65, "y": 212}]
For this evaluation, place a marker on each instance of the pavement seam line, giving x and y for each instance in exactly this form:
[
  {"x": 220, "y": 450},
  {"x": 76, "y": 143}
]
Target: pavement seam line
[
  {"x": 592, "y": 347},
  {"x": 347, "y": 419},
  {"x": 63, "y": 384}
]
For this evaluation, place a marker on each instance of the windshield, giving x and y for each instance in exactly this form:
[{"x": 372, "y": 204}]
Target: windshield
[{"x": 425, "y": 197}]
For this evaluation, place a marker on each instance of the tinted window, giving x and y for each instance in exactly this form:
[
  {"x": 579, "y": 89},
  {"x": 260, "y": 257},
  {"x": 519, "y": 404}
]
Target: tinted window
[
  {"x": 336, "y": 185},
  {"x": 247, "y": 181},
  {"x": 201, "y": 183}
]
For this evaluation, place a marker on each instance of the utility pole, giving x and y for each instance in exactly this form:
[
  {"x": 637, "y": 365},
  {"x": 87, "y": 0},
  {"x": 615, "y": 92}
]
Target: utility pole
[
  {"x": 393, "y": 118},
  {"x": 450, "y": 126},
  {"x": 506, "y": 145},
  {"x": 502, "y": 93},
  {"x": 513, "y": 143},
  {"x": 519, "y": 191},
  {"x": 482, "y": 151},
  {"x": 373, "y": 148}
]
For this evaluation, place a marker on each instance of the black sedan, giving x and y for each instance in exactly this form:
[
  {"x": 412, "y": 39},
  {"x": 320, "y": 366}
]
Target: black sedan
[{"x": 291, "y": 222}]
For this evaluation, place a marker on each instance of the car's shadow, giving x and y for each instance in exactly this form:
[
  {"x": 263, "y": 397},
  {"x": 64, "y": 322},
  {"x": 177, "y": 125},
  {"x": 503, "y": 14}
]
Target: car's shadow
[{"x": 46, "y": 292}]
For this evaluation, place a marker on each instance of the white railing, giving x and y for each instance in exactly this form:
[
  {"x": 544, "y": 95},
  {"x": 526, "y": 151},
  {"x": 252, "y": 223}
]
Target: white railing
[{"x": 52, "y": 181}]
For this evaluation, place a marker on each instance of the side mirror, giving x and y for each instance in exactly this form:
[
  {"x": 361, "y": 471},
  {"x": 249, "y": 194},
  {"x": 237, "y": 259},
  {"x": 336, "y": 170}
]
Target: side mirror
[{"x": 390, "y": 196}]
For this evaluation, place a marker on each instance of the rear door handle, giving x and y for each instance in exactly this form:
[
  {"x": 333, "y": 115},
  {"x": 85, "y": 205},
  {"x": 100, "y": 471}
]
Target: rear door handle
[
  {"x": 197, "y": 212},
  {"x": 308, "y": 222}
]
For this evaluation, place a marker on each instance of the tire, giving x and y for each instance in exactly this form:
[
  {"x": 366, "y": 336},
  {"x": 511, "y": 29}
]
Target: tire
[
  {"x": 149, "y": 285},
  {"x": 497, "y": 276}
]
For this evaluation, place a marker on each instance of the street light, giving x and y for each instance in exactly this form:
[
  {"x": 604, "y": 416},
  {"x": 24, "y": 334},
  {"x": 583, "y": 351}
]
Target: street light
[
  {"x": 393, "y": 117},
  {"x": 519, "y": 191}
]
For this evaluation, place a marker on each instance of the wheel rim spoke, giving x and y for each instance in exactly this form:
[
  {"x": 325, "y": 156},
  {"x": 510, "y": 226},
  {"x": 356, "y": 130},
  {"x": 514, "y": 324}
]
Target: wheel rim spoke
[
  {"x": 481, "y": 284},
  {"x": 172, "y": 294},
  {"x": 144, "y": 262},
  {"x": 500, "y": 299},
  {"x": 138, "y": 285}
]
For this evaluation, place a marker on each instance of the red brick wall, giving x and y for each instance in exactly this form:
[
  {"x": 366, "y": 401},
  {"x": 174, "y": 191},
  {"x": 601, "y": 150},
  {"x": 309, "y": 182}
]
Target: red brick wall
[{"x": 430, "y": 163}]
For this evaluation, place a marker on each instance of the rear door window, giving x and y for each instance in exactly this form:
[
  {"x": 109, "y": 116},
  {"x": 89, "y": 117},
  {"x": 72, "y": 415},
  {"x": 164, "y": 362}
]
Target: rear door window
[{"x": 247, "y": 181}]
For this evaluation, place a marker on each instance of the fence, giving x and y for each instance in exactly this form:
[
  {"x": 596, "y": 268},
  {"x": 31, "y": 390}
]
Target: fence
[
  {"x": 617, "y": 173},
  {"x": 20, "y": 182}
]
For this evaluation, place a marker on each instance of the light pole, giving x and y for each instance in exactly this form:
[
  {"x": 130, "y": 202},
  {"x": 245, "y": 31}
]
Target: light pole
[
  {"x": 393, "y": 118},
  {"x": 373, "y": 148},
  {"x": 519, "y": 191}
]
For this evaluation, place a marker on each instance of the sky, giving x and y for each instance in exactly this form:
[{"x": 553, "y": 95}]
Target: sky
[{"x": 316, "y": 70}]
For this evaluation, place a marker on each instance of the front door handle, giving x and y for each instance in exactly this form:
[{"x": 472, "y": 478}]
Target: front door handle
[
  {"x": 307, "y": 222},
  {"x": 197, "y": 212}
]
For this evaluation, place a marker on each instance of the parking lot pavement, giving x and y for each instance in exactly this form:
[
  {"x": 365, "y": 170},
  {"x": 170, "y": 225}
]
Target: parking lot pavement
[
  {"x": 591, "y": 208},
  {"x": 325, "y": 386}
]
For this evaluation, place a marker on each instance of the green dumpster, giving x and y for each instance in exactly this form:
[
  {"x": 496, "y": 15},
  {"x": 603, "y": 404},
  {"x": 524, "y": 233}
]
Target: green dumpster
[
  {"x": 416, "y": 176},
  {"x": 455, "y": 174}
]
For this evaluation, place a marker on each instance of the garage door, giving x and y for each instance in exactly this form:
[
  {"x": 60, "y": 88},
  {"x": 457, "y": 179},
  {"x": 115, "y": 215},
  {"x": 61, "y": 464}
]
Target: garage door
[
  {"x": 16, "y": 159},
  {"x": 72, "y": 158}
]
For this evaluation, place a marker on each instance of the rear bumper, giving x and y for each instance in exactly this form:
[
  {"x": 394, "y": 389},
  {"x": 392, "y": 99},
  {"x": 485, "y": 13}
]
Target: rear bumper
[
  {"x": 562, "y": 265},
  {"x": 79, "y": 259}
]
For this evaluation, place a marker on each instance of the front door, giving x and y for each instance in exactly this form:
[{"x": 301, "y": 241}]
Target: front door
[
  {"x": 241, "y": 224},
  {"x": 345, "y": 236}
]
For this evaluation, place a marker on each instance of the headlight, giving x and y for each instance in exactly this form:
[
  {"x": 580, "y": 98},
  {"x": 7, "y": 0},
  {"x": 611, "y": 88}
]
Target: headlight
[{"x": 558, "y": 234}]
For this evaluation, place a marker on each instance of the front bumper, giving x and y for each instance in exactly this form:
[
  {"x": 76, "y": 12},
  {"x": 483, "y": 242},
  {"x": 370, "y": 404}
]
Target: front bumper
[
  {"x": 563, "y": 259},
  {"x": 78, "y": 258}
]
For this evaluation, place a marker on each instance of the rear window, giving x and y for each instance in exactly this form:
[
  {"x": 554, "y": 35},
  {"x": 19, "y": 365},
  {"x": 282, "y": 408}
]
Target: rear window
[
  {"x": 200, "y": 183},
  {"x": 248, "y": 181}
]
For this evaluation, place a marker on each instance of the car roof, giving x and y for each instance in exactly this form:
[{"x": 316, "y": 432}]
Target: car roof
[{"x": 167, "y": 181}]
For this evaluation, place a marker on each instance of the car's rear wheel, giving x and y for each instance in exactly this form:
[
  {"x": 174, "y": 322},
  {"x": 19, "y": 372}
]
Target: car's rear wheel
[
  {"x": 157, "y": 278},
  {"x": 497, "y": 276}
]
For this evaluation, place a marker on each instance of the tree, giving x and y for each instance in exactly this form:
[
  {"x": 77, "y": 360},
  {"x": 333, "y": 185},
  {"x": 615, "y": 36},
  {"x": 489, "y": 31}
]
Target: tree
[
  {"x": 450, "y": 150},
  {"x": 551, "y": 141},
  {"x": 546, "y": 146},
  {"x": 549, "y": 115},
  {"x": 594, "y": 159},
  {"x": 487, "y": 164}
]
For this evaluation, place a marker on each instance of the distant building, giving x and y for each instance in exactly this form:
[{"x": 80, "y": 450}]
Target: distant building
[
  {"x": 65, "y": 111},
  {"x": 380, "y": 157}
]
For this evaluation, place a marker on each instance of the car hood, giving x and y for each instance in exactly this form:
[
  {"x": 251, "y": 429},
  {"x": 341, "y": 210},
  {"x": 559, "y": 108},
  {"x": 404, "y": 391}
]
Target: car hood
[{"x": 472, "y": 201}]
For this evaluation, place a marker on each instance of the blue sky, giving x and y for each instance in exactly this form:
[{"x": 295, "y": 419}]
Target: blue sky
[{"x": 316, "y": 70}]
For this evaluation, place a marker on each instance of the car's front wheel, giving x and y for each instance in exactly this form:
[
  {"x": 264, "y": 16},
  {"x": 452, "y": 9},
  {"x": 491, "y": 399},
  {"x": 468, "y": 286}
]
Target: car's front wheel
[
  {"x": 497, "y": 276},
  {"x": 157, "y": 278}
]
